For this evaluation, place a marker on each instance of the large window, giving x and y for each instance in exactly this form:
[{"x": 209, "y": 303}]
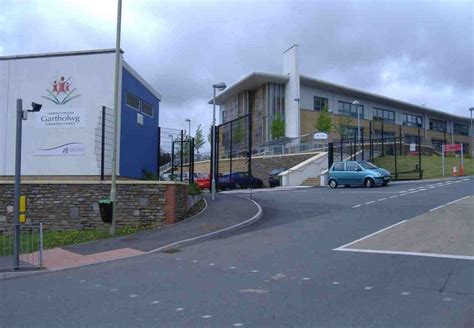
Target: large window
[
  {"x": 385, "y": 115},
  {"x": 133, "y": 101},
  {"x": 320, "y": 103},
  {"x": 462, "y": 129},
  {"x": 412, "y": 120},
  {"x": 139, "y": 105},
  {"x": 348, "y": 109},
  {"x": 438, "y": 125}
]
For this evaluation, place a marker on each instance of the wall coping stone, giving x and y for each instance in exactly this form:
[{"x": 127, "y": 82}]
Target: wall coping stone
[{"x": 263, "y": 156}]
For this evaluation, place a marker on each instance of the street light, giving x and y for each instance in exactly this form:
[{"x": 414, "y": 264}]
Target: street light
[
  {"x": 357, "y": 104},
  {"x": 20, "y": 116},
  {"x": 219, "y": 86},
  {"x": 189, "y": 123},
  {"x": 471, "y": 132}
]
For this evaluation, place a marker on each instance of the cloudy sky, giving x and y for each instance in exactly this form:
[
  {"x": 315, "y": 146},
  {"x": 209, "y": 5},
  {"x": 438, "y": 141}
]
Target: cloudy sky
[{"x": 421, "y": 52}]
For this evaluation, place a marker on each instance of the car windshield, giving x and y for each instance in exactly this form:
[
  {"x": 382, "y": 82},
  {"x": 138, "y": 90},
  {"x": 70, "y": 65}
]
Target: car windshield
[{"x": 367, "y": 165}]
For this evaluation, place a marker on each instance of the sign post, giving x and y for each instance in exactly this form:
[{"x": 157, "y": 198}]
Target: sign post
[
  {"x": 454, "y": 147},
  {"x": 442, "y": 157}
]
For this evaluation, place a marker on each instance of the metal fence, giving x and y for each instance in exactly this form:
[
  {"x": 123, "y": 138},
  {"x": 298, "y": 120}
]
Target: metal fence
[{"x": 30, "y": 247}]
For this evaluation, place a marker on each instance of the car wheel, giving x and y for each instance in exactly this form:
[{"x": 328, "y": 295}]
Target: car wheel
[
  {"x": 333, "y": 184},
  {"x": 369, "y": 183}
]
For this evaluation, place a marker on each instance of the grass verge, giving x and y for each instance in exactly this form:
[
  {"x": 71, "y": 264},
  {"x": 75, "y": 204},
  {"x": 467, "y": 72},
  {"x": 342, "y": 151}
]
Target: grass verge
[
  {"x": 52, "y": 239},
  {"x": 431, "y": 165}
]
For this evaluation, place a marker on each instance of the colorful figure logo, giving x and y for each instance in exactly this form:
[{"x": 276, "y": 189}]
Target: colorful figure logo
[{"x": 61, "y": 92}]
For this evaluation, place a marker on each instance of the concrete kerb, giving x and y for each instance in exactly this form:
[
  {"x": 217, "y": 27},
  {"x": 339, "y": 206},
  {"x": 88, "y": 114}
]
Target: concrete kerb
[
  {"x": 181, "y": 243},
  {"x": 431, "y": 180},
  {"x": 218, "y": 233}
]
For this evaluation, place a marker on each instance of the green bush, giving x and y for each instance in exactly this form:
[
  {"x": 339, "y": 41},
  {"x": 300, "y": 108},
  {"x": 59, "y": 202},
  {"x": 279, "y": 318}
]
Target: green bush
[{"x": 194, "y": 189}]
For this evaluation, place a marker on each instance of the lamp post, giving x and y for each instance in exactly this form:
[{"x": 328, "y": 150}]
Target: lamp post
[
  {"x": 219, "y": 86},
  {"x": 356, "y": 103},
  {"x": 113, "y": 184},
  {"x": 20, "y": 116},
  {"x": 189, "y": 126},
  {"x": 471, "y": 132}
]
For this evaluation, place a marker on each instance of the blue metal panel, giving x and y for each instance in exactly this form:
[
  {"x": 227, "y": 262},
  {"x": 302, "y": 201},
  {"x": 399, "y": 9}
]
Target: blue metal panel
[{"x": 138, "y": 143}]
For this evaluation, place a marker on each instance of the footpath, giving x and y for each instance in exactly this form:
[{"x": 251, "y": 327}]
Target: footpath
[{"x": 220, "y": 217}]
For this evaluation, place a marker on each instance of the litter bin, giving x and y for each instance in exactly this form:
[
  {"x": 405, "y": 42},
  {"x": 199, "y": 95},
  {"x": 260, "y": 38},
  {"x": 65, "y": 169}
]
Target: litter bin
[{"x": 105, "y": 206}]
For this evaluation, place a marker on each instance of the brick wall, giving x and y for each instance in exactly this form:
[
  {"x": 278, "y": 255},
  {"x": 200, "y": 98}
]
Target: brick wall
[{"x": 74, "y": 205}]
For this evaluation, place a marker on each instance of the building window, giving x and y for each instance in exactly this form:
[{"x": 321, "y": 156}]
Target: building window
[
  {"x": 385, "y": 115},
  {"x": 147, "y": 108},
  {"x": 133, "y": 101},
  {"x": 223, "y": 116},
  {"x": 437, "y": 125},
  {"x": 462, "y": 129},
  {"x": 348, "y": 109},
  {"x": 351, "y": 131},
  {"x": 386, "y": 135},
  {"x": 411, "y": 138},
  {"x": 320, "y": 103},
  {"x": 412, "y": 120}
]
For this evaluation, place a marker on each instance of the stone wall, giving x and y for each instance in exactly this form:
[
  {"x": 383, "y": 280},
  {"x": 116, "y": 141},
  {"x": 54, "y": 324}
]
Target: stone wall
[
  {"x": 71, "y": 205},
  {"x": 261, "y": 165}
]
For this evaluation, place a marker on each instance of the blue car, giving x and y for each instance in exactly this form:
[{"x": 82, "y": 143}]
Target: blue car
[{"x": 357, "y": 173}]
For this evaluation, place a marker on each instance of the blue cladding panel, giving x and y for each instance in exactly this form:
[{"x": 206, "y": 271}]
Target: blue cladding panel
[{"x": 138, "y": 143}]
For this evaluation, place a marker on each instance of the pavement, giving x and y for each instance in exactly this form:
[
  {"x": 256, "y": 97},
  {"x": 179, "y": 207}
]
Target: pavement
[
  {"x": 282, "y": 271},
  {"x": 212, "y": 222}
]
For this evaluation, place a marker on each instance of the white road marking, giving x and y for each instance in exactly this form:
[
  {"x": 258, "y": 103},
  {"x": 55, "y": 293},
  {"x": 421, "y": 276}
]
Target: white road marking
[
  {"x": 457, "y": 200},
  {"x": 413, "y": 192},
  {"x": 305, "y": 278},
  {"x": 206, "y": 316},
  {"x": 395, "y": 196},
  {"x": 422, "y": 189},
  {"x": 403, "y": 191},
  {"x": 278, "y": 276},
  {"x": 456, "y": 181},
  {"x": 368, "y": 287},
  {"x": 372, "y": 201},
  {"x": 178, "y": 259},
  {"x": 68, "y": 277},
  {"x": 97, "y": 285},
  {"x": 412, "y": 189},
  {"x": 179, "y": 309},
  {"x": 465, "y": 179},
  {"x": 431, "y": 187},
  {"x": 405, "y": 293},
  {"x": 233, "y": 268},
  {"x": 381, "y": 199},
  {"x": 355, "y": 206},
  {"x": 155, "y": 302},
  {"x": 447, "y": 299},
  {"x": 82, "y": 281},
  {"x": 238, "y": 324},
  {"x": 406, "y": 194},
  {"x": 436, "y": 208},
  {"x": 376, "y": 251},
  {"x": 195, "y": 261},
  {"x": 372, "y": 234},
  {"x": 335, "y": 282},
  {"x": 114, "y": 290},
  {"x": 212, "y": 264},
  {"x": 254, "y": 271},
  {"x": 132, "y": 295},
  {"x": 256, "y": 291}
]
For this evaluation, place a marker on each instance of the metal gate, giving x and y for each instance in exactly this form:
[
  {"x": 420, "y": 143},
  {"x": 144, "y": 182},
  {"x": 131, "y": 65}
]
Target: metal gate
[{"x": 233, "y": 141}]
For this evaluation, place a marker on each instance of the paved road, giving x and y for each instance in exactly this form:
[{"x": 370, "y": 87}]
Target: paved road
[{"x": 281, "y": 272}]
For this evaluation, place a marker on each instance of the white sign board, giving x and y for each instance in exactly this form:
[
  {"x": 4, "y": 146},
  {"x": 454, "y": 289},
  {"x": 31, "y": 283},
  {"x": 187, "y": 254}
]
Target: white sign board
[
  {"x": 69, "y": 149},
  {"x": 412, "y": 147},
  {"x": 320, "y": 136}
]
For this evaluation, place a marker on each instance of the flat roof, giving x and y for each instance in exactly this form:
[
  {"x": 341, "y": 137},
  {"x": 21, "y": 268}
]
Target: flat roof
[
  {"x": 84, "y": 53},
  {"x": 61, "y": 54}
]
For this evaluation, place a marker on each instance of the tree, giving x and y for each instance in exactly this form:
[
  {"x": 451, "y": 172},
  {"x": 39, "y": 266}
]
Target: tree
[
  {"x": 198, "y": 139},
  {"x": 342, "y": 123},
  {"x": 323, "y": 122},
  {"x": 277, "y": 127}
]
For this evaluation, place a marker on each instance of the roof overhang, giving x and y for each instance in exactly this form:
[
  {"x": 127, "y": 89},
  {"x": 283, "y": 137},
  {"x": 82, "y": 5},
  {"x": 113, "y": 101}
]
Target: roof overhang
[
  {"x": 250, "y": 82},
  {"x": 324, "y": 85}
]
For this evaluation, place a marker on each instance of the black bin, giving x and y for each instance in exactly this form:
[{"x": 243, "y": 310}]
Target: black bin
[{"x": 106, "y": 208}]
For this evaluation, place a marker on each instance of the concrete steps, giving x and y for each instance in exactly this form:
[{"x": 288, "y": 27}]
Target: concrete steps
[{"x": 313, "y": 182}]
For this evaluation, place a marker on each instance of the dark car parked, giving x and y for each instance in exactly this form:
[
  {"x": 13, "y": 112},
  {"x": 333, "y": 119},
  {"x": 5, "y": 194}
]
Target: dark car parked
[
  {"x": 274, "y": 179},
  {"x": 238, "y": 180}
]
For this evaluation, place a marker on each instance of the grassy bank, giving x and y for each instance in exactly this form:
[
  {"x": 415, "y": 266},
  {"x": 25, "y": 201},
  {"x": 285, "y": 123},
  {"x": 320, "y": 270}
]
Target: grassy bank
[
  {"x": 52, "y": 239},
  {"x": 431, "y": 165}
]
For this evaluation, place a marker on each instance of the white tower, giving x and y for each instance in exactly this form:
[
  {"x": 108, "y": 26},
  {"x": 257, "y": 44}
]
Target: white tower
[{"x": 291, "y": 66}]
